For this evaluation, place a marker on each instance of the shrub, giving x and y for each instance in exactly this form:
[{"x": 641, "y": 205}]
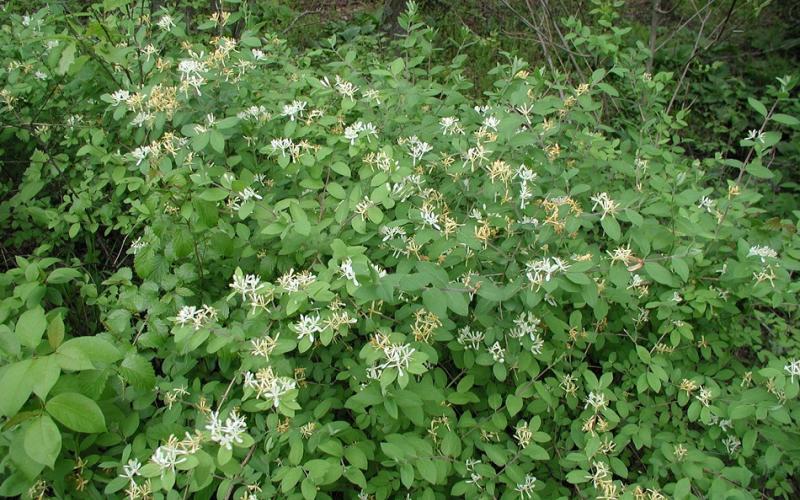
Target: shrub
[{"x": 326, "y": 273}]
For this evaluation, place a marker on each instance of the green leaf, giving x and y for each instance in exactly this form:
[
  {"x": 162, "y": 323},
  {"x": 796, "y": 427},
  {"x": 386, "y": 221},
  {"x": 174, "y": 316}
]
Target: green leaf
[
  {"x": 77, "y": 412},
  {"x": 87, "y": 353},
  {"x": 356, "y": 457},
  {"x": 427, "y": 469},
  {"x": 578, "y": 476},
  {"x": 513, "y": 404},
  {"x": 785, "y": 119},
  {"x": 291, "y": 478},
  {"x": 31, "y": 326},
  {"x": 43, "y": 441},
  {"x": 44, "y": 372},
  {"x": 756, "y": 169},
  {"x": 397, "y": 66},
  {"x": 66, "y": 60},
  {"x": 756, "y": 104},
  {"x": 682, "y": 489},
  {"x": 658, "y": 272},
  {"x": 62, "y": 275},
  {"x": 611, "y": 227},
  {"x": 55, "y": 331},
  {"x": 138, "y": 371},
  {"x": 217, "y": 141},
  {"x": 214, "y": 194},
  {"x": 17, "y": 387}
]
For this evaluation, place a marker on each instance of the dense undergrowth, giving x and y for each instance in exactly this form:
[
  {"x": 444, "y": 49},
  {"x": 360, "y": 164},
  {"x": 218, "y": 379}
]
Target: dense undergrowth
[{"x": 238, "y": 269}]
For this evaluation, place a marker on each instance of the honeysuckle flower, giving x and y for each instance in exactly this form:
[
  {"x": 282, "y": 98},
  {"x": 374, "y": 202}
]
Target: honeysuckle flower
[
  {"x": 491, "y": 122},
  {"x": 755, "y": 135},
  {"x": 119, "y": 97},
  {"x": 418, "y": 149},
  {"x": 131, "y": 469},
  {"x": 247, "y": 285},
  {"x": 268, "y": 386},
  {"x": 167, "y": 456},
  {"x": 228, "y": 433},
  {"x": 498, "y": 353},
  {"x": 429, "y": 217},
  {"x": 166, "y": 23},
  {"x": 469, "y": 338},
  {"x": 732, "y": 443},
  {"x": 398, "y": 356},
  {"x": 707, "y": 204},
  {"x": 793, "y": 369},
  {"x": 596, "y": 400},
  {"x": 307, "y": 326},
  {"x": 526, "y": 487},
  {"x": 294, "y": 109},
  {"x": 450, "y": 125},
  {"x": 346, "y": 270},
  {"x": 762, "y": 251},
  {"x": 607, "y": 205},
  {"x": 704, "y": 396}
]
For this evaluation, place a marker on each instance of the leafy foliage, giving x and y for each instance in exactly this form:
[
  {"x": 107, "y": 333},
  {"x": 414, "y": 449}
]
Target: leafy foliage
[{"x": 333, "y": 272}]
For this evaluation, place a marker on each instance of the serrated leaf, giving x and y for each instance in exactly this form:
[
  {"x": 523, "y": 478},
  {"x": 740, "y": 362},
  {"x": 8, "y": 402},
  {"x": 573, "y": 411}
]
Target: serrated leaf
[{"x": 138, "y": 371}]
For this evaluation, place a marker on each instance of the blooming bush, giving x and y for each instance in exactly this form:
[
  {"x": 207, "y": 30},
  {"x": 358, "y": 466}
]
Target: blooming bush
[{"x": 257, "y": 273}]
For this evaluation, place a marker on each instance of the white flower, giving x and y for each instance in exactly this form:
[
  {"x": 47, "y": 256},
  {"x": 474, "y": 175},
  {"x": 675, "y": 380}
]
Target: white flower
[
  {"x": 704, "y": 396},
  {"x": 41, "y": 75},
  {"x": 248, "y": 194},
  {"x": 537, "y": 343},
  {"x": 307, "y": 326},
  {"x": 346, "y": 269},
  {"x": 596, "y": 401},
  {"x": 131, "y": 469},
  {"x": 755, "y": 135},
  {"x": 525, "y": 488},
  {"x": 283, "y": 145},
  {"x": 706, "y": 203},
  {"x": 120, "y": 96},
  {"x": 137, "y": 245},
  {"x": 732, "y": 443},
  {"x": 197, "y": 317},
  {"x": 228, "y": 433},
  {"x": 607, "y": 205},
  {"x": 498, "y": 353},
  {"x": 793, "y": 369},
  {"x": 294, "y": 109},
  {"x": 141, "y": 118},
  {"x": 429, "y": 217},
  {"x": 491, "y": 122},
  {"x": 469, "y": 338},
  {"x": 247, "y": 285},
  {"x": 268, "y": 386},
  {"x": 258, "y": 54},
  {"x": 167, "y": 456},
  {"x": 166, "y": 23},
  {"x": 542, "y": 270},
  {"x": 398, "y": 356},
  {"x": 450, "y": 125},
  {"x": 140, "y": 153},
  {"x": 418, "y": 149},
  {"x": 344, "y": 87},
  {"x": 762, "y": 251}
]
